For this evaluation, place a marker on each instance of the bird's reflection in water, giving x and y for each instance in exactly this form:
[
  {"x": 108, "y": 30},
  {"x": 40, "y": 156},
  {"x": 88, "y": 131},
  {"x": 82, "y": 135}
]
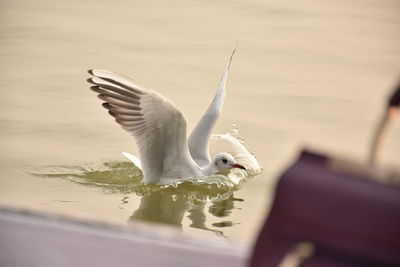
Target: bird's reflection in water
[
  {"x": 161, "y": 207},
  {"x": 170, "y": 207},
  {"x": 223, "y": 208}
]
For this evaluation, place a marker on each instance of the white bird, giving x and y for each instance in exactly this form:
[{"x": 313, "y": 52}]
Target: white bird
[{"x": 159, "y": 129}]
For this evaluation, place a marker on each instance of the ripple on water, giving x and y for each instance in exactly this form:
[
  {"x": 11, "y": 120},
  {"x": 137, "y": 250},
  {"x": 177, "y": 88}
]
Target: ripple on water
[{"x": 124, "y": 177}]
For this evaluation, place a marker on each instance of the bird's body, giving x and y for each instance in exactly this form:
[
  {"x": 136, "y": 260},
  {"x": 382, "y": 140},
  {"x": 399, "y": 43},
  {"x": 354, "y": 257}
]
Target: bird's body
[{"x": 159, "y": 129}]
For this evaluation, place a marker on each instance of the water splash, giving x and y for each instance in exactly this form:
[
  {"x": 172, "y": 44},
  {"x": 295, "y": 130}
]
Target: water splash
[
  {"x": 112, "y": 176},
  {"x": 234, "y": 131},
  {"x": 125, "y": 178},
  {"x": 167, "y": 204}
]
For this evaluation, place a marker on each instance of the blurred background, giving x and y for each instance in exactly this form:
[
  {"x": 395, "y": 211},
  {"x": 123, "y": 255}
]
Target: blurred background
[{"x": 306, "y": 73}]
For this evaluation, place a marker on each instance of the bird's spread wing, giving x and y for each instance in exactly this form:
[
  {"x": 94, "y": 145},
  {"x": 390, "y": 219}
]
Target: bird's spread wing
[
  {"x": 133, "y": 159},
  {"x": 198, "y": 140},
  {"x": 157, "y": 126}
]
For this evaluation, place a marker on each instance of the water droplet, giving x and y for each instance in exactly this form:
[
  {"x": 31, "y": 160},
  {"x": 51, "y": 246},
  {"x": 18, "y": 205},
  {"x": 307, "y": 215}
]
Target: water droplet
[{"x": 234, "y": 130}]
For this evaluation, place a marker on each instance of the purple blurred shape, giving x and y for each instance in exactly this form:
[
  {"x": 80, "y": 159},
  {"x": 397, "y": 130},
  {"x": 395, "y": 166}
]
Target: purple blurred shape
[
  {"x": 394, "y": 99},
  {"x": 351, "y": 218}
]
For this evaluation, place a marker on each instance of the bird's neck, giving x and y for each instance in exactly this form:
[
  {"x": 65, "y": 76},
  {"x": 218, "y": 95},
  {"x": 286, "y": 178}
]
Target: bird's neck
[{"x": 209, "y": 170}]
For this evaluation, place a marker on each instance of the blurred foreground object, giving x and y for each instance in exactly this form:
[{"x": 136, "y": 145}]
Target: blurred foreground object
[
  {"x": 330, "y": 212},
  {"x": 392, "y": 109},
  {"x": 29, "y": 238}
]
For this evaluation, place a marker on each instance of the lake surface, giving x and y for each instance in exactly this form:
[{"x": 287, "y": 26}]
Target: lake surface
[{"x": 306, "y": 73}]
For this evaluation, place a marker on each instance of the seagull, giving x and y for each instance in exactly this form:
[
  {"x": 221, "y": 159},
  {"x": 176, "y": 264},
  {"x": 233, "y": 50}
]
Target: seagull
[{"x": 159, "y": 129}]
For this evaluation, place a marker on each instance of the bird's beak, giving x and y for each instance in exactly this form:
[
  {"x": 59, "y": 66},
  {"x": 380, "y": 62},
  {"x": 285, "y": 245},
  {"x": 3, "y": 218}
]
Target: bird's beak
[{"x": 238, "y": 166}]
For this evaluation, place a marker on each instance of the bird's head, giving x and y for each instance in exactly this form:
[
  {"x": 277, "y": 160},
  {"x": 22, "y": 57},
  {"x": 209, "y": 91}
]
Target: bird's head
[{"x": 224, "y": 162}]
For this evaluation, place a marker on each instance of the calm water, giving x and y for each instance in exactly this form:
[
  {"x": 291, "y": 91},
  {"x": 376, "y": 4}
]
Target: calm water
[{"x": 306, "y": 73}]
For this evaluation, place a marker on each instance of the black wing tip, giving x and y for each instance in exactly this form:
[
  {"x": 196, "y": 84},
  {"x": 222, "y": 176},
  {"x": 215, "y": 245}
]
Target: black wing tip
[
  {"x": 90, "y": 80},
  {"x": 102, "y": 97},
  {"x": 95, "y": 89},
  {"x": 113, "y": 114},
  {"x": 90, "y": 72},
  {"x": 106, "y": 105}
]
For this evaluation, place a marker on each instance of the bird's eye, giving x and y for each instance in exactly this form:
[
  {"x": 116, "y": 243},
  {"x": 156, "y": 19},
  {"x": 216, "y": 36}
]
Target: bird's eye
[{"x": 225, "y": 161}]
